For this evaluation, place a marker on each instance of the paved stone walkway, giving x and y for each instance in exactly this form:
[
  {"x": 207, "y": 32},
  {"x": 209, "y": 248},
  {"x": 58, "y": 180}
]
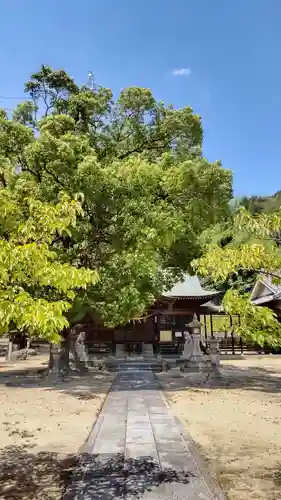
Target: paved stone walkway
[{"x": 137, "y": 451}]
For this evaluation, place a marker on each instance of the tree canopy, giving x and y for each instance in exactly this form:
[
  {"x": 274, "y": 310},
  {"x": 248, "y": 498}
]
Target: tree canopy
[
  {"x": 251, "y": 246},
  {"x": 262, "y": 204},
  {"x": 137, "y": 169}
]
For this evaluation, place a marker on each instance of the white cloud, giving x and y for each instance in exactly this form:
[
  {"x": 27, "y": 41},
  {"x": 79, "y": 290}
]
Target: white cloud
[{"x": 181, "y": 72}]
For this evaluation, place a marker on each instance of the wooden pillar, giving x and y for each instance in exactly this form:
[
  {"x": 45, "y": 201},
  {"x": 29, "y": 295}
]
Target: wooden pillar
[
  {"x": 211, "y": 325},
  {"x": 156, "y": 328},
  {"x": 241, "y": 341},
  {"x": 232, "y": 335},
  {"x": 205, "y": 328}
]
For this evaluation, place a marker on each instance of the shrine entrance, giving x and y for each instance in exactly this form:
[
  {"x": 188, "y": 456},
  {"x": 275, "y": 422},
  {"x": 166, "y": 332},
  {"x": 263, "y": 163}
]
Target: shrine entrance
[
  {"x": 133, "y": 348},
  {"x": 134, "y": 337}
]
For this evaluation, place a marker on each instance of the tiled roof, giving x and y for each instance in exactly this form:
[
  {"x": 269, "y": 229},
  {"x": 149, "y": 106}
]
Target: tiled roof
[
  {"x": 274, "y": 291},
  {"x": 274, "y": 286},
  {"x": 189, "y": 287},
  {"x": 209, "y": 308}
]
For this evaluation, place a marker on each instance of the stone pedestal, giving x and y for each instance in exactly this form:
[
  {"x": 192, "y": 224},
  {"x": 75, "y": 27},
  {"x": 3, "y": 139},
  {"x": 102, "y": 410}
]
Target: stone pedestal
[
  {"x": 57, "y": 362},
  {"x": 120, "y": 351},
  {"x": 192, "y": 359},
  {"x": 197, "y": 354},
  {"x": 10, "y": 350},
  {"x": 188, "y": 346},
  {"x": 78, "y": 351},
  {"x": 214, "y": 354},
  {"x": 82, "y": 352},
  {"x": 147, "y": 350}
]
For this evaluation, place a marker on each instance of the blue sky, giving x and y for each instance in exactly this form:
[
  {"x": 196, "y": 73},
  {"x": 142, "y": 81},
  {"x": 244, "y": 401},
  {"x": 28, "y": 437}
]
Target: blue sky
[{"x": 230, "y": 49}]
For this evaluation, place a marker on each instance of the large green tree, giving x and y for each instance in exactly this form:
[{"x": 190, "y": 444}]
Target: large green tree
[
  {"x": 137, "y": 167},
  {"x": 251, "y": 248}
]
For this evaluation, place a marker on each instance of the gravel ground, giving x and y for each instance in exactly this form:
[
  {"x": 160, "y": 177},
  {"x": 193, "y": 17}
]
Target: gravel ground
[
  {"x": 42, "y": 426},
  {"x": 236, "y": 423}
]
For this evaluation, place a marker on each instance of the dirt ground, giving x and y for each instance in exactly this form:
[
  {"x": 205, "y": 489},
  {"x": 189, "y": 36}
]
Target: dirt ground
[
  {"x": 236, "y": 422},
  {"x": 42, "y": 426}
]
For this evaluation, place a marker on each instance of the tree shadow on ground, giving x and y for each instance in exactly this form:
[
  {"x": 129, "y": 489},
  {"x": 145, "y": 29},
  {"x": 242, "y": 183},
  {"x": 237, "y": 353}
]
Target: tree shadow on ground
[
  {"x": 85, "y": 386},
  {"x": 230, "y": 377},
  {"x": 31, "y": 476},
  {"x": 44, "y": 476},
  {"x": 277, "y": 475},
  {"x": 105, "y": 477}
]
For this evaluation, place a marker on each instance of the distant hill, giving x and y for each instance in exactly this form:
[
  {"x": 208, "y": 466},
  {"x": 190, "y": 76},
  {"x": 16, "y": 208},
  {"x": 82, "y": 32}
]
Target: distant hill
[{"x": 261, "y": 204}]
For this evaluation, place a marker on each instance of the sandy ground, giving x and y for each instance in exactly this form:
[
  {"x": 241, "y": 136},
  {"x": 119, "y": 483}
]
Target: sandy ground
[
  {"x": 40, "y": 361},
  {"x": 42, "y": 426},
  {"x": 236, "y": 423}
]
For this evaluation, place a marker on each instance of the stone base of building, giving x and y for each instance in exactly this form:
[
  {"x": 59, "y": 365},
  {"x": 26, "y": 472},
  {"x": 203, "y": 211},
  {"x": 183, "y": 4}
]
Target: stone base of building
[{"x": 193, "y": 367}]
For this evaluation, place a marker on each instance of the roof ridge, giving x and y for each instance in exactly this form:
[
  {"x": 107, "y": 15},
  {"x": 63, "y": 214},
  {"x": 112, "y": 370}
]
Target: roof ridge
[{"x": 190, "y": 286}]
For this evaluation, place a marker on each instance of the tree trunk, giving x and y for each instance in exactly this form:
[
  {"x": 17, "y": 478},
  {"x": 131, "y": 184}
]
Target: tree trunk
[{"x": 70, "y": 345}]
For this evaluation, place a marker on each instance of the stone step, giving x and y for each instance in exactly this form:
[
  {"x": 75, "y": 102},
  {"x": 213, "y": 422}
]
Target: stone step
[
  {"x": 169, "y": 349},
  {"x": 116, "y": 366}
]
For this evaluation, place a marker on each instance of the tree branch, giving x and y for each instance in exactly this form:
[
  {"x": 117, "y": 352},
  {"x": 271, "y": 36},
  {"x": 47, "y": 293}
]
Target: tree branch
[
  {"x": 147, "y": 145},
  {"x": 48, "y": 107},
  {"x": 25, "y": 168},
  {"x": 36, "y": 174},
  {"x": 260, "y": 271},
  {"x": 3, "y": 180},
  {"x": 55, "y": 177}
]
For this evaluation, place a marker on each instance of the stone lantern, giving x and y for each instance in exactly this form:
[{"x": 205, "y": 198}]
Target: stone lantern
[
  {"x": 214, "y": 354},
  {"x": 194, "y": 327},
  {"x": 192, "y": 357}
]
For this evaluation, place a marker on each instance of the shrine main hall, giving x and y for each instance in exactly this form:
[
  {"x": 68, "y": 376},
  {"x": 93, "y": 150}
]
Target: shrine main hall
[{"x": 161, "y": 330}]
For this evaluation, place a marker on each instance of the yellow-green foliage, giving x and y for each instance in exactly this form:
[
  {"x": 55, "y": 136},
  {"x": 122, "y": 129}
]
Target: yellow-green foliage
[
  {"x": 258, "y": 253},
  {"x": 221, "y": 323},
  {"x": 35, "y": 289}
]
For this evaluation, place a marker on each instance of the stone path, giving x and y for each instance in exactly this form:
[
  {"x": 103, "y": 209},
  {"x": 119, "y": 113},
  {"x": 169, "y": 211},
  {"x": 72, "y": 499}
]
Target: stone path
[{"x": 137, "y": 451}]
